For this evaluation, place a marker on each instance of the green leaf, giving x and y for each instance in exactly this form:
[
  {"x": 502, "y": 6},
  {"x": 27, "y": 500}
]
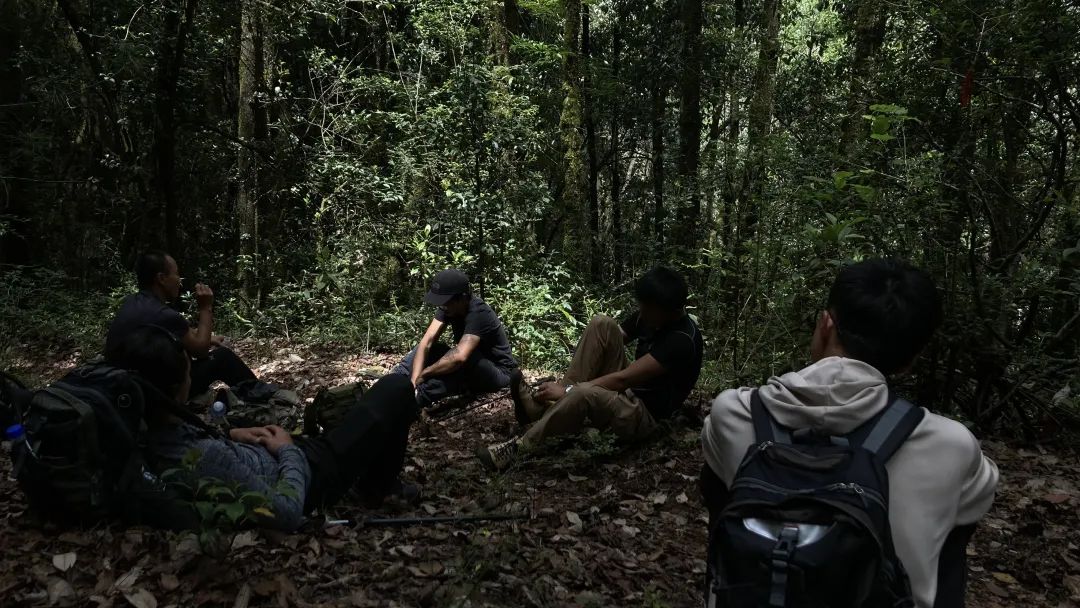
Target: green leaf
[{"x": 234, "y": 511}]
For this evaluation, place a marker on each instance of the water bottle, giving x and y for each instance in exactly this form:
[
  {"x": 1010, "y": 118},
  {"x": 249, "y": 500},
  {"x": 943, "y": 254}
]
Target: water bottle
[
  {"x": 220, "y": 409},
  {"x": 12, "y": 435}
]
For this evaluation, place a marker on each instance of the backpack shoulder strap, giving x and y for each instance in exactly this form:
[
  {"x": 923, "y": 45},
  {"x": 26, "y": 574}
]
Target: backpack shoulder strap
[
  {"x": 765, "y": 426},
  {"x": 893, "y": 427}
]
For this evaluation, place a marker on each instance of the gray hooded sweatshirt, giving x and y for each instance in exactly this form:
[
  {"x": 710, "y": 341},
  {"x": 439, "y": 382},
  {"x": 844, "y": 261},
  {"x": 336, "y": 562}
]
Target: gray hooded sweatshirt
[{"x": 939, "y": 478}]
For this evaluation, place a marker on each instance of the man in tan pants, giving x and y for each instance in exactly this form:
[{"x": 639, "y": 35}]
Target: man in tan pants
[{"x": 602, "y": 387}]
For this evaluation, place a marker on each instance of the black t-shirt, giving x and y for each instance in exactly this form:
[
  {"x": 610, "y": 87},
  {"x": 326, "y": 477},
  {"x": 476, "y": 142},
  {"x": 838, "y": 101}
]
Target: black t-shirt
[
  {"x": 678, "y": 347},
  {"x": 138, "y": 310},
  {"x": 481, "y": 321}
]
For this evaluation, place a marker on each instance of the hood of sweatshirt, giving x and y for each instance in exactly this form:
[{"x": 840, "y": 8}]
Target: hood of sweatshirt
[{"x": 834, "y": 396}]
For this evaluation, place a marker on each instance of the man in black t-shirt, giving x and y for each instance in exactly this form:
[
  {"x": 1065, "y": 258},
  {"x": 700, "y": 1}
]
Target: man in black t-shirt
[
  {"x": 479, "y": 362},
  {"x": 602, "y": 387},
  {"x": 159, "y": 283}
]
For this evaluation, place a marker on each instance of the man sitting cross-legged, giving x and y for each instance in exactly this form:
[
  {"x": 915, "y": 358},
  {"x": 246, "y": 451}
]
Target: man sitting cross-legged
[
  {"x": 296, "y": 474},
  {"x": 479, "y": 362},
  {"x": 602, "y": 387},
  {"x": 159, "y": 283}
]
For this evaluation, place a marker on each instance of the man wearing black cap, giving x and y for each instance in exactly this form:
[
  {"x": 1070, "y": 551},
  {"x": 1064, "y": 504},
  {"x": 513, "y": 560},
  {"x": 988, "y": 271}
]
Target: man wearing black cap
[{"x": 479, "y": 362}]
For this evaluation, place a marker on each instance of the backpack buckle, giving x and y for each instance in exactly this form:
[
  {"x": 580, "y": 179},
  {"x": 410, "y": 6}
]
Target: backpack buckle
[{"x": 786, "y": 544}]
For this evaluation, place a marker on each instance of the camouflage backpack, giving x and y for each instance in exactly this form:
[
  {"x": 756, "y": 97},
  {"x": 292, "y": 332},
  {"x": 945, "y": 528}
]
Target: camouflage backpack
[
  {"x": 330, "y": 407},
  {"x": 255, "y": 403}
]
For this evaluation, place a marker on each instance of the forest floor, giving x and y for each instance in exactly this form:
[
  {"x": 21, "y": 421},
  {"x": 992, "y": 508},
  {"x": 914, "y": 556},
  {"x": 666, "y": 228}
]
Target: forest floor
[{"x": 603, "y": 526}]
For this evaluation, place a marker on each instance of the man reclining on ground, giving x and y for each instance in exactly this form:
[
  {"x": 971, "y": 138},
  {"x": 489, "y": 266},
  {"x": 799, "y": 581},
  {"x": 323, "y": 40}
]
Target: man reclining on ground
[
  {"x": 159, "y": 283},
  {"x": 365, "y": 452},
  {"x": 879, "y": 317},
  {"x": 479, "y": 362},
  {"x": 602, "y": 387}
]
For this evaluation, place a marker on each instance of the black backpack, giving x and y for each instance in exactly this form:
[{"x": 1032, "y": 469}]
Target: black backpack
[
  {"x": 82, "y": 459},
  {"x": 807, "y": 524}
]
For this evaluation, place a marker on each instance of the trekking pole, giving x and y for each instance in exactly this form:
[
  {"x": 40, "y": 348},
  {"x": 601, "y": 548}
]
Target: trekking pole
[
  {"x": 471, "y": 407},
  {"x": 411, "y": 521}
]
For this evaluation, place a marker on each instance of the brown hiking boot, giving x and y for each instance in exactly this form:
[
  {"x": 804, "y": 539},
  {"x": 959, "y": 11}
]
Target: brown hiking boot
[{"x": 526, "y": 409}]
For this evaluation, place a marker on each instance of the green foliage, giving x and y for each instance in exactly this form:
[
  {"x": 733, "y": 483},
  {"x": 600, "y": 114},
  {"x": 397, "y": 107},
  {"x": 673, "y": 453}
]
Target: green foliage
[
  {"x": 544, "y": 315},
  {"x": 44, "y": 307},
  {"x": 221, "y": 508}
]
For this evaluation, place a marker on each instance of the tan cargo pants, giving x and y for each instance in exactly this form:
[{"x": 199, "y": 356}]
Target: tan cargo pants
[{"x": 600, "y": 351}]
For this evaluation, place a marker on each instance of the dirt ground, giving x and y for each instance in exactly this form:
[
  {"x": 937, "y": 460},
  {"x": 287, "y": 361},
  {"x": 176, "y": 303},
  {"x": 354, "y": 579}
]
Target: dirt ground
[{"x": 599, "y": 526}]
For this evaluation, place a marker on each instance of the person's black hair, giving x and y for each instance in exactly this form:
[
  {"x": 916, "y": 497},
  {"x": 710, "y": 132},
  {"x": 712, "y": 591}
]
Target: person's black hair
[
  {"x": 885, "y": 311},
  {"x": 663, "y": 287},
  {"x": 150, "y": 264},
  {"x": 155, "y": 354}
]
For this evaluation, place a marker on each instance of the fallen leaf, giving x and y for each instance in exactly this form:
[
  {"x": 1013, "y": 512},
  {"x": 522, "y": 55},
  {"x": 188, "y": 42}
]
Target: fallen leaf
[
  {"x": 1072, "y": 583},
  {"x": 681, "y": 498},
  {"x": 169, "y": 582},
  {"x": 576, "y": 478},
  {"x": 126, "y": 582},
  {"x": 998, "y": 591},
  {"x": 575, "y": 521},
  {"x": 1056, "y": 499},
  {"x": 244, "y": 539},
  {"x": 141, "y": 598},
  {"x": 64, "y": 561},
  {"x": 658, "y": 498},
  {"x": 58, "y": 589},
  {"x": 1004, "y": 578}
]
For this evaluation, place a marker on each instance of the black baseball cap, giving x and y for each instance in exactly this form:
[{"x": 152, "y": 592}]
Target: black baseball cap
[{"x": 445, "y": 285}]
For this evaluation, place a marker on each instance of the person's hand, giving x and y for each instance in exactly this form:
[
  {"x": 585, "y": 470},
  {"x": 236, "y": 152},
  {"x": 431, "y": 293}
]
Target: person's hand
[
  {"x": 216, "y": 340},
  {"x": 204, "y": 296},
  {"x": 275, "y": 439},
  {"x": 417, "y": 381},
  {"x": 550, "y": 391},
  {"x": 251, "y": 436}
]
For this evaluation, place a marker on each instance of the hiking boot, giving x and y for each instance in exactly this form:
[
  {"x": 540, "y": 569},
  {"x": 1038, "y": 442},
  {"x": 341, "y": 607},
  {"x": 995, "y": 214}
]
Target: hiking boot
[
  {"x": 498, "y": 456},
  {"x": 526, "y": 409},
  {"x": 405, "y": 493},
  {"x": 399, "y": 492}
]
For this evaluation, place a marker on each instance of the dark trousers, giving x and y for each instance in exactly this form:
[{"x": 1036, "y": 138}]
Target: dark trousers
[
  {"x": 478, "y": 375},
  {"x": 367, "y": 450},
  {"x": 220, "y": 365},
  {"x": 952, "y": 563}
]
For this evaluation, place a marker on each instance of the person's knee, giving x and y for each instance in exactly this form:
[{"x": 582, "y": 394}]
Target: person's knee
[
  {"x": 394, "y": 395},
  {"x": 603, "y": 322}
]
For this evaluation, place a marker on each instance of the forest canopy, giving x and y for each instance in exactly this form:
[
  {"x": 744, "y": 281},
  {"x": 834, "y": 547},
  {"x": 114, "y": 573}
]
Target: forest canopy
[{"x": 317, "y": 160}]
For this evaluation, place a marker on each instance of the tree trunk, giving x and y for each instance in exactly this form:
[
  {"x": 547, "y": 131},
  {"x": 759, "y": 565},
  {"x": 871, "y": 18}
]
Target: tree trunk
[
  {"x": 248, "y": 120},
  {"x": 508, "y": 25},
  {"x": 14, "y": 241},
  {"x": 614, "y": 168},
  {"x": 659, "y": 105},
  {"x": 570, "y": 125},
  {"x": 174, "y": 39},
  {"x": 759, "y": 122},
  {"x": 689, "y": 213},
  {"x": 590, "y": 149},
  {"x": 870, "y": 20}
]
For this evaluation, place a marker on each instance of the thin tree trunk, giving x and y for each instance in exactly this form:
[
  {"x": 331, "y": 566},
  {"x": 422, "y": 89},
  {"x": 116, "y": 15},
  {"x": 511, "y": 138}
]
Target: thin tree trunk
[
  {"x": 251, "y": 73},
  {"x": 171, "y": 59},
  {"x": 614, "y": 167},
  {"x": 590, "y": 148},
  {"x": 870, "y": 20},
  {"x": 659, "y": 105},
  {"x": 759, "y": 122},
  {"x": 14, "y": 240},
  {"x": 689, "y": 213},
  {"x": 574, "y": 179}
]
